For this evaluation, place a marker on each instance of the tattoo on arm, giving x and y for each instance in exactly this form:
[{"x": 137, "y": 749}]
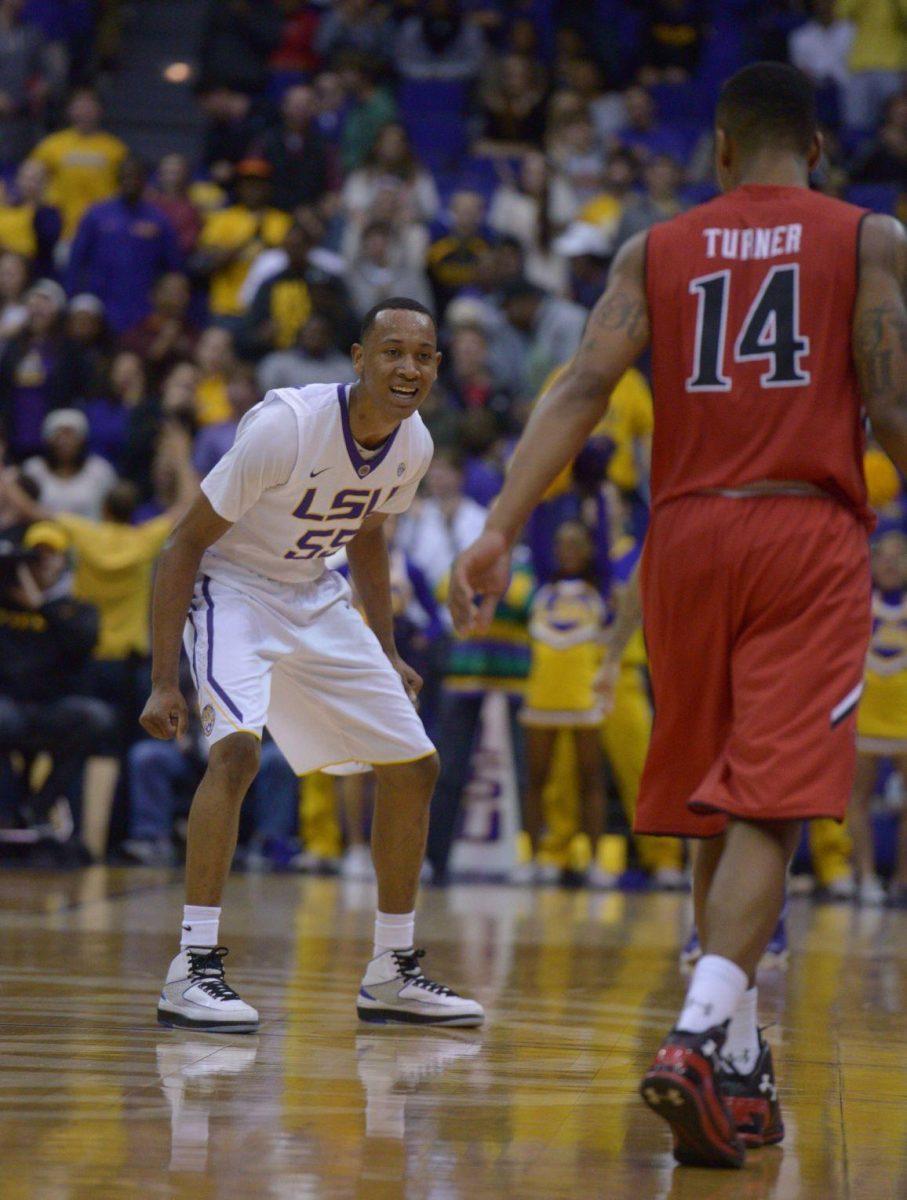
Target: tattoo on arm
[
  {"x": 621, "y": 312},
  {"x": 880, "y": 334}
]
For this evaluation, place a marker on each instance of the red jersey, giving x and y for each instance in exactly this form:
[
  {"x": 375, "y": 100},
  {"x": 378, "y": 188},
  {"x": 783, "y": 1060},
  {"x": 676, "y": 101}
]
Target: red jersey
[{"x": 751, "y": 300}]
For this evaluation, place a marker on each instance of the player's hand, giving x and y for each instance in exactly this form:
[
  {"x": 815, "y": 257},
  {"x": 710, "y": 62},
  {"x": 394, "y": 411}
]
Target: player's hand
[
  {"x": 478, "y": 581},
  {"x": 166, "y": 713},
  {"x": 412, "y": 680},
  {"x": 605, "y": 684}
]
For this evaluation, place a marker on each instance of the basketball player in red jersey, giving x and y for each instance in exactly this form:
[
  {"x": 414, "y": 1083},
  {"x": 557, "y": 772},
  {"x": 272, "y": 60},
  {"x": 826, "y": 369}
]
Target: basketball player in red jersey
[{"x": 775, "y": 315}]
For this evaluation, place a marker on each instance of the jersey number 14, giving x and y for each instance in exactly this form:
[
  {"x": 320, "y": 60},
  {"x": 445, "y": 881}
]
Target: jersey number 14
[{"x": 770, "y": 331}]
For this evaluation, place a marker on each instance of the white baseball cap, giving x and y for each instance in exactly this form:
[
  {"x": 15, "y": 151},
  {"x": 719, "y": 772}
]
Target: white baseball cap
[{"x": 64, "y": 418}]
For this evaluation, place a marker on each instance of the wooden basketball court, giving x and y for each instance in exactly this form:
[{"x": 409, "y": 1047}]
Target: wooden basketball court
[{"x": 97, "y": 1101}]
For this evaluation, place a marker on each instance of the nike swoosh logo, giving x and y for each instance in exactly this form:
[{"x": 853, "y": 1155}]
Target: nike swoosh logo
[{"x": 312, "y": 474}]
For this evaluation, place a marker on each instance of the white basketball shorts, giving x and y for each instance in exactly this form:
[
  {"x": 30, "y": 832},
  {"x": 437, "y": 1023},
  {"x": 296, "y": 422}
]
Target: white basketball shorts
[{"x": 299, "y": 659}]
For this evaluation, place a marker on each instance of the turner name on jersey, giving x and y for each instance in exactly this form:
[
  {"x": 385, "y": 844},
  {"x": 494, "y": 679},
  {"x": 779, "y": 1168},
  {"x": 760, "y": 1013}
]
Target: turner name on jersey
[{"x": 297, "y": 487}]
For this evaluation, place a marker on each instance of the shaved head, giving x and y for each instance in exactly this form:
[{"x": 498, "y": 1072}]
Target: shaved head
[{"x": 769, "y": 106}]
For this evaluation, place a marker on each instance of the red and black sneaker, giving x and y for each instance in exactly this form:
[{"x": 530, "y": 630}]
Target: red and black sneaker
[
  {"x": 682, "y": 1087},
  {"x": 753, "y": 1100}
]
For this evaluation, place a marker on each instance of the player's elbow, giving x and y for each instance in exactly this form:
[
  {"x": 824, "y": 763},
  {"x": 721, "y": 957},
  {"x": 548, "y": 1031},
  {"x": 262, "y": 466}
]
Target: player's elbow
[
  {"x": 889, "y": 428},
  {"x": 585, "y": 389},
  {"x": 185, "y": 544},
  {"x": 886, "y": 415}
]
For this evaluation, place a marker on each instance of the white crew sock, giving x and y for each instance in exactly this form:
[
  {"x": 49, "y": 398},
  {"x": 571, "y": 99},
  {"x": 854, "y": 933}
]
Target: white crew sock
[
  {"x": 714, "y": 993},
  {"x": 394, "y": 931},
  {"x": 199, "y": 925},
  {"x": 741, "y": 1048}
]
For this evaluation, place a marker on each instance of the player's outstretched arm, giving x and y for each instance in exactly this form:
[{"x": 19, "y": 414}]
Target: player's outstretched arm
[
  {"x": 166, "y": 715},
  {"x": 616, "y": 334},
  {"x": 880, "y": 332}
]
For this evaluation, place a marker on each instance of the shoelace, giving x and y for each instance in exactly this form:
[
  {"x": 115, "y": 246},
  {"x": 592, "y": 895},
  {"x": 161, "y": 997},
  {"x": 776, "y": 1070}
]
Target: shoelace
[
  {"x": 207, "y": 969},
  {"x": 408, "y": 965}
]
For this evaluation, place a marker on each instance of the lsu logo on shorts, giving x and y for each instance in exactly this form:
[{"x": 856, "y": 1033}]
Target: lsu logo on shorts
[{"x": 208, "y": 720}]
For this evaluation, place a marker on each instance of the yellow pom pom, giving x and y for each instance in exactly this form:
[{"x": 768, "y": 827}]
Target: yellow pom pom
[{"x": 882, "y": 480}]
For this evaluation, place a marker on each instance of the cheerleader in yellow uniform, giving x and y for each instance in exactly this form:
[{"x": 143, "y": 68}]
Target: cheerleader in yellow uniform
[
  {"x": 566, "y": 625},
  {"x": 882, "y": 715}
]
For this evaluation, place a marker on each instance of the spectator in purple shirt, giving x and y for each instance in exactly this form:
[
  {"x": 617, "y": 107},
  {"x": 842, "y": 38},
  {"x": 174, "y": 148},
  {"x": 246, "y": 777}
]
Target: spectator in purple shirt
[
  {"x": 121, "y": 248},
  {"x": 39, "y": 371}
]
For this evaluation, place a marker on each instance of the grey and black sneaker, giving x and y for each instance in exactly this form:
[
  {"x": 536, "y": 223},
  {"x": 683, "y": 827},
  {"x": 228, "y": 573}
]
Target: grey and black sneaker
[
  {"x": 197, "y": 996},
  {"x": 394, "y": 990}
]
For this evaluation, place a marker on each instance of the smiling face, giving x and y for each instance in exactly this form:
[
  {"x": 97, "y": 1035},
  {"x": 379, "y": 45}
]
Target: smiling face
[
  {"x": 66, "y": 445},
  {"x": 572, "y": 548},
  {"x": 397, "y": 362},
  {"x": 392, "y": 147}
]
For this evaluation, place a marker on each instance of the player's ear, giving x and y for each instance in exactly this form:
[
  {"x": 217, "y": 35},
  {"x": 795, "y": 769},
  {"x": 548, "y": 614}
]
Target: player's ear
[
  {"x": 816, "y": 150},
  {"x": 356, "y": 355},
  {"x": 723, "y": 152}
]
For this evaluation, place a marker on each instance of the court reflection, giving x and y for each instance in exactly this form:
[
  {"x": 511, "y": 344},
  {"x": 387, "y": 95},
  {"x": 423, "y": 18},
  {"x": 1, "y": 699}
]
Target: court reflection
[
  {"x": 98, "y": 1103},
  {"x": 193, "y": 1073}
]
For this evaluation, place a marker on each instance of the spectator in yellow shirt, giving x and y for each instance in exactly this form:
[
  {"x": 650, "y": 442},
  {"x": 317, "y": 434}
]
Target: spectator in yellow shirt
[
  {"x": 628, "y": 423},
  {"x": 216, "y": 362},
  {"x": 878, "y": 57},
  {"x": 113, "y": 557},
  {"x": 628, "y": 426},
  {"x": 114, "y": 561},
  {"x": 233, "y": 238},
  {"x": 28, "y": 225},
  {"x": 82, "y": 161}
]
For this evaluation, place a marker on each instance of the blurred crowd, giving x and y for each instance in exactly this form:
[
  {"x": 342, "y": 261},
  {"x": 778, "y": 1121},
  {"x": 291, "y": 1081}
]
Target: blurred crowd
[{"x": 485, "y": 158}]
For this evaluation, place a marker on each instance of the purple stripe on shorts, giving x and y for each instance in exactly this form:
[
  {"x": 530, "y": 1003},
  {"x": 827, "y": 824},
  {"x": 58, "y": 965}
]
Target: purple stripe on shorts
[
  {"x": 206, "y": 592},
  {"x": 192, "y": 667}
]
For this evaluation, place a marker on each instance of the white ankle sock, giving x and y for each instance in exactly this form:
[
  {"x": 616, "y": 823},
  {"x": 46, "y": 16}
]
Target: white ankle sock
[
  {"x": 715, "y": 992},
  {"x": 741, "y": 1048},
  {"x": 394, "y": 931},
  {"x": 199, "y": 925}
]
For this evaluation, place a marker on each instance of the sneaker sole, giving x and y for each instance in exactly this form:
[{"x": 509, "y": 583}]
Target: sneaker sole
[
  {"x": 392, "y": 1016},
  {"x": 697, "y": 1141},
  {"x": 178, "y": 1021},
  {"x": 756, "y": 1141},
  {"x": 749, "y": 1128}
]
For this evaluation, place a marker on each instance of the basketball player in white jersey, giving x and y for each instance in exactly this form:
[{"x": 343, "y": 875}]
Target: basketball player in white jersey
[{"x": 273, "y": 640}]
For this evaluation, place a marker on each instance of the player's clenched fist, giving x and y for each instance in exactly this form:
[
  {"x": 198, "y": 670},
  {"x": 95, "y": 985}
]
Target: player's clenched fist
[
  {"x": 166, "y": 713},
  {"x": 483, "y": 571}
]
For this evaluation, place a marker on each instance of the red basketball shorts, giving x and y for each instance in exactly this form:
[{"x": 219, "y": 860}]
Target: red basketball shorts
[{"x": 757, "y": 621}]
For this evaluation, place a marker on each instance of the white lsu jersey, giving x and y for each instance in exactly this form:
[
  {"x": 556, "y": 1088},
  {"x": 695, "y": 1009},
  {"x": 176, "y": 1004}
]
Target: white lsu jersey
[{"x": 297, "y": 487}]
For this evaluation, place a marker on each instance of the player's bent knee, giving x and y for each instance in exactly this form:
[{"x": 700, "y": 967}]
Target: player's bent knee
[
  {"x": 235, "y": 759},
  {"x": 418, "y": 777},
  {"x": 427, "y": 771}
]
